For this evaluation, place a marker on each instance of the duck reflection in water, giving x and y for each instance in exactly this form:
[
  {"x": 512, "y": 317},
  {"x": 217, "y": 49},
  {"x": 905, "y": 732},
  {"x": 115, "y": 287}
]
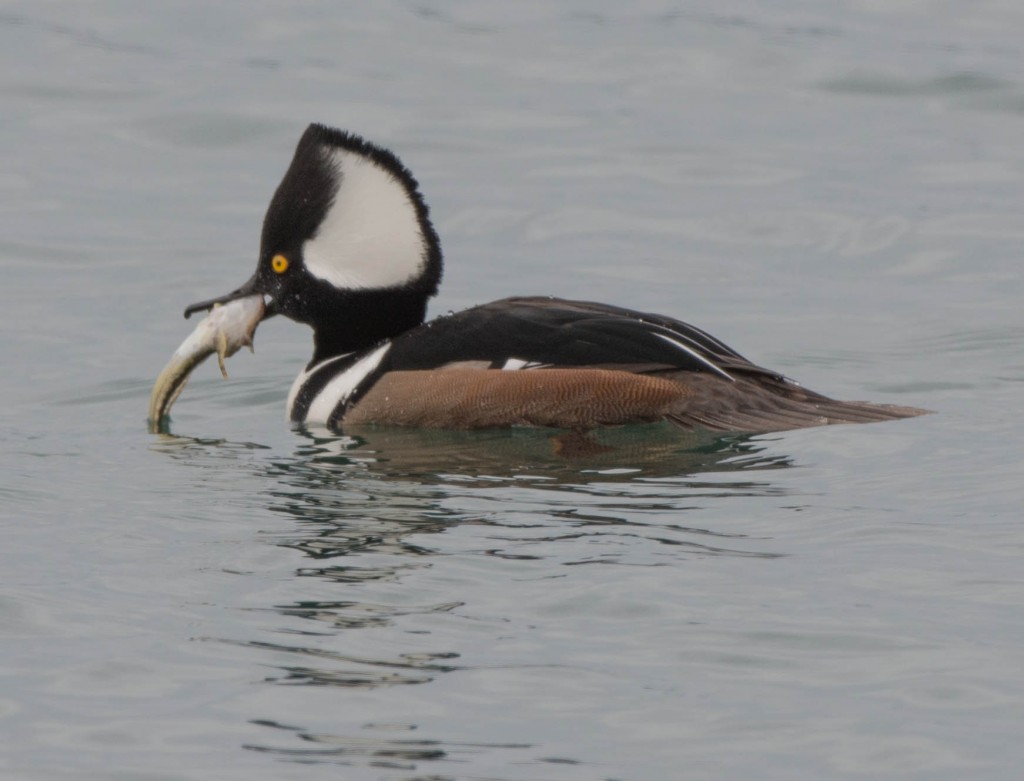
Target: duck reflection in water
[{"x": 383, "y": 518}]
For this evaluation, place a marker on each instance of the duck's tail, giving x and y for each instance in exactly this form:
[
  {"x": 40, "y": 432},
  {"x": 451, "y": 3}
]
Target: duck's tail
[{"x": 777, "y": 405}]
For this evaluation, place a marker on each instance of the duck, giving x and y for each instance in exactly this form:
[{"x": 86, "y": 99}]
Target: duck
[{"x": 348, "y": 248}]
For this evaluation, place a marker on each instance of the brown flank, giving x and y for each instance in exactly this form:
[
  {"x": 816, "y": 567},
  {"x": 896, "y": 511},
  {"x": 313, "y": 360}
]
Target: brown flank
[{"x": 582, "y": 398}]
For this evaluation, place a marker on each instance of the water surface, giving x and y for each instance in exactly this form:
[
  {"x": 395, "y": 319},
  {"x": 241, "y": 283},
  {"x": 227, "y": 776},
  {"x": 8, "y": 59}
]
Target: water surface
[{"x": 835, "y": 192}]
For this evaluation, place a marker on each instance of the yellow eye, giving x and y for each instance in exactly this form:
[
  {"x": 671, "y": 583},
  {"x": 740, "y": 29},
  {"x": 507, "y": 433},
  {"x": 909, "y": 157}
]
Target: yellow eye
[{"x": 279, "y": 263}]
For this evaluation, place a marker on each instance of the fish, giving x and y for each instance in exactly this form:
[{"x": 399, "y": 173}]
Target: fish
[{"x": 228, "y": 328}]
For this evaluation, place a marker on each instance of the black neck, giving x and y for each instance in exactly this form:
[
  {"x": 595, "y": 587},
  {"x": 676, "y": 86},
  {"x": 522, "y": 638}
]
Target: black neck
[{"x": 357, "y": 320}]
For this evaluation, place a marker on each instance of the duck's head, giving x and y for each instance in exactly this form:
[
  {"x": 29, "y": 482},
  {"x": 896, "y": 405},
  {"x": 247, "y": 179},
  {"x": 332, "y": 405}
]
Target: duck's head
[{"x": 347, "y": 245}]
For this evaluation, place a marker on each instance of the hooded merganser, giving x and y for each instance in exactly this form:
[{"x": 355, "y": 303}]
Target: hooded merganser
[{"x": 348, "y": 248}]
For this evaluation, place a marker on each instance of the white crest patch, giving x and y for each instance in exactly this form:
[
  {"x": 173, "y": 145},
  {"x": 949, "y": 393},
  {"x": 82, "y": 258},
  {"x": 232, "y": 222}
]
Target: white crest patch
[{"x": 371, "y": 237}]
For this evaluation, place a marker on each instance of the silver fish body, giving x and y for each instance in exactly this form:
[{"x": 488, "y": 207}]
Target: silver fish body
[{"x": 227, "y": 329}]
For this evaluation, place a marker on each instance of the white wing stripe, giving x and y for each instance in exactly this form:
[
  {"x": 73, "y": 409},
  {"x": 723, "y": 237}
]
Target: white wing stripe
[
  {"x": 693, "y": 354},
  {"x": 514, "y": 364}
]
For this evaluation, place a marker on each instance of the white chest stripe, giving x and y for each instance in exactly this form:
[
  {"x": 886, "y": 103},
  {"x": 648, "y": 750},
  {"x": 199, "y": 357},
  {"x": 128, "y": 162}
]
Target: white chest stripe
[
  {"x": 300, "y": 381},
  {"x": 697, "y": 355},
  {"x": 340, "y": 388}
]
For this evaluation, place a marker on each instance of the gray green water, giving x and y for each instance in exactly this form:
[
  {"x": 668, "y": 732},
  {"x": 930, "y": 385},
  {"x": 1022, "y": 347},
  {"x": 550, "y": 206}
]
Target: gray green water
[{"x": 836, "y": 191}]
